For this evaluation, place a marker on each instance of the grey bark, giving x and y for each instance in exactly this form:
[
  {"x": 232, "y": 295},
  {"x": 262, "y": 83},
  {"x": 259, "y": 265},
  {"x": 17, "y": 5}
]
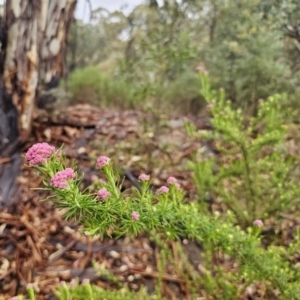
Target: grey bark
[
  {"x": 33, "y": 40},
  {"x": 34, "y": 54}
]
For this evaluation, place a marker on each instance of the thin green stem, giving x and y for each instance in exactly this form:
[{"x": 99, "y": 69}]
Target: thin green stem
[{"x": 249, "y": 181}]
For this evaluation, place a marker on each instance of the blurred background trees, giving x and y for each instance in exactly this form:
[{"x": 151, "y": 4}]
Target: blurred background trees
[{"x": 250, "y": 48}]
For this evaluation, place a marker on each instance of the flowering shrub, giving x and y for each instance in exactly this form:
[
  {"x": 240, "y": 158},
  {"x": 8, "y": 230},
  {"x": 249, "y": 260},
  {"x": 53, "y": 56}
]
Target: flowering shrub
[
  {"x": 253, "y": 174},
  {"x": 134, "y": 211}
]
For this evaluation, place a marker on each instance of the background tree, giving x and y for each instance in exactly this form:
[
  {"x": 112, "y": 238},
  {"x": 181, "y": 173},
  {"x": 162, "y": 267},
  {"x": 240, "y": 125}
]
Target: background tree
[
  {"x": 33, "y": 49},
  {"x": 249, "y": 48}
]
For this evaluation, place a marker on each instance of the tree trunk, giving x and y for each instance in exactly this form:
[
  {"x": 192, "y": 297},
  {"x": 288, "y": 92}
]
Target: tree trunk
[
  {"x": 33, "y": 39},
  {"x": 33, "y": 54}
]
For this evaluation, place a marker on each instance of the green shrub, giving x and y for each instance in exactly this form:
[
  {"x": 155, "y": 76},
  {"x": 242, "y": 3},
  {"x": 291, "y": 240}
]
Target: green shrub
[
  {"x": 112, "y": 211},
  {"x": 89, "y": 85},
  {"x": 182, "y": 94},
  {"x": 253, "y": 173}
]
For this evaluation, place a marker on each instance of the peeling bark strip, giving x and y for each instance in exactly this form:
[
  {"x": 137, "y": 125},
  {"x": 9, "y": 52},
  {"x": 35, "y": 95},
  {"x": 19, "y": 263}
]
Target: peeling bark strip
[{"x": 35, "y": 53}]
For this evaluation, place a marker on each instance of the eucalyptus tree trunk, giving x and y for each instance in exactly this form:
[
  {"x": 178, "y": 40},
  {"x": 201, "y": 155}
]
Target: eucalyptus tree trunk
[{"x": 32, "y": 53}]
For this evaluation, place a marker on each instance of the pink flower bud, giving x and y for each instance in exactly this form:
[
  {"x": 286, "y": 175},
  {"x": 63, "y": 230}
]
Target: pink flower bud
[
  {"x": 94, "y": 177},
  {"x": 238, "y": 156},
  {"x": 163, "y": 189},
  {"x": 171, "y": 180},
  {"x": 102, "y": 161},
  {"x": 135, "y": 216},
  {"x": 201, "y": 69},
  {"x": 209, "y": 106},
  {"x": 103, "y": 194},
  {"x": 258, "y": 223},
  {"x": 85, "y": 281},
  {"x": 144, "y": 177},
  {"x": 73, "y": 283},
  {"x": 260, "y": 101},
  {"x": 177, "y": 185}
]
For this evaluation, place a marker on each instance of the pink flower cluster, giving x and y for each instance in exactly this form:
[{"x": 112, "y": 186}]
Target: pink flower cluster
[
  {"x": 102, "y": 161},
  {"x": 135, "y": 216},
  {"x": 258, "y": 223},
  {"x": 103, "y": 194},
  {"x": 163, "y": 189},
  {"x": 39, "y": 153},
  {"x": 173, "y": 181},
  {"x": 85, "y": 281},
  {"x": 238, "y": 156},
  {"x": 209, "y": 106},
  {"x": 201, "y": 69},
  {"x": 144, "y": 177},
  {"x": 59, "y": 180}
]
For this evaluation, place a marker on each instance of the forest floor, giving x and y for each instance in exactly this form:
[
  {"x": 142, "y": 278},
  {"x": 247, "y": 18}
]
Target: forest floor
[{"x": 37, "y": 246}]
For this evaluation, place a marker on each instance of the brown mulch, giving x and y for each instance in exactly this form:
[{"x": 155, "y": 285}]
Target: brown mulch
[{"x": 37, "y": 246}]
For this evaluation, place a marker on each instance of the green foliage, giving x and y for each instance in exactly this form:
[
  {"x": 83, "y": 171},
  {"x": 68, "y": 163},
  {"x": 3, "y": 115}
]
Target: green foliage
[
  {"x": 253, "y": 174},
  {"x": 85, "y": 290},
  {"x": 161, "y": 60},
  {"x": 89, "y": 85},
  {"x": 183, "y": 93},
  {"x": 82, "y": 291},
  {"x": 214, "y": 280},
  {"x": 93, "y": 43},
  {"x": 250, "y": 62},
  {"x": 250, "y": 49},
  {"x": 167, "y": 213}
]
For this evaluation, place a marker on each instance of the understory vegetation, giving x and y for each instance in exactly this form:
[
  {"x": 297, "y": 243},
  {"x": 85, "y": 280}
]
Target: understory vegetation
[
  {"x": 148, "y": 58},
  {"x": 253, "y": 176},
  {"x": 234, "y": 62}
]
